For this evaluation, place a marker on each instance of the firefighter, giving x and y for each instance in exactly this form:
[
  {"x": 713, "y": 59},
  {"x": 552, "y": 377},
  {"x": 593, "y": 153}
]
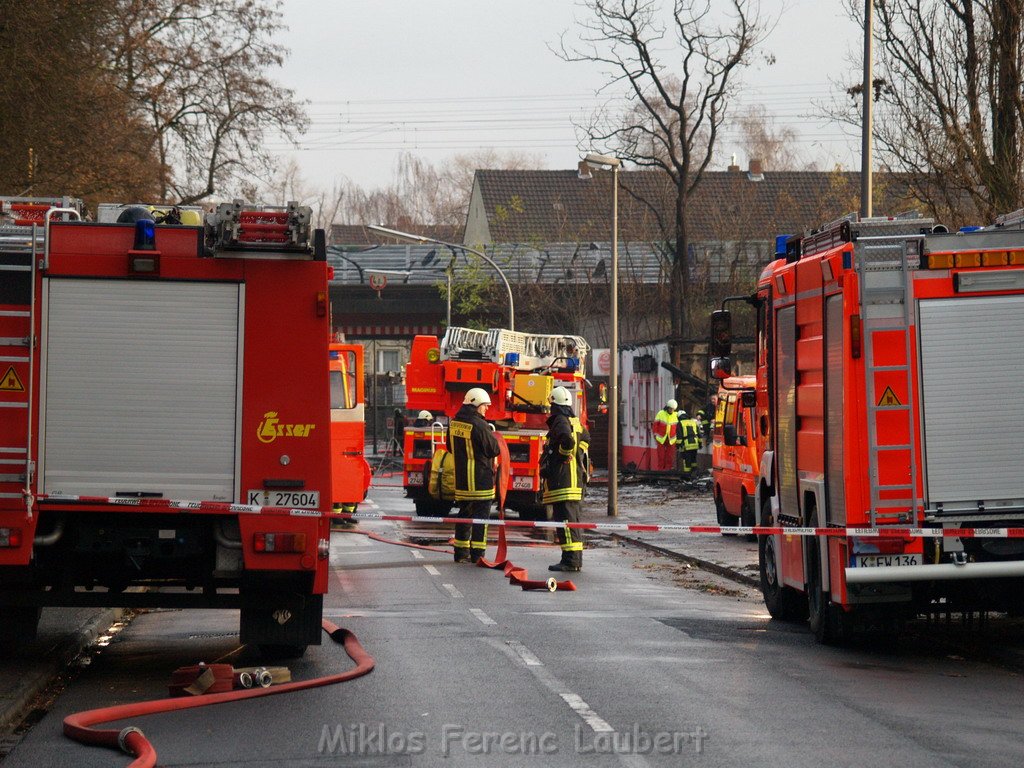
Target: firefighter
[
  {"x": 423, "y": 419},
  {"x": 474, "y": 447},
  {"x": 702, "y": 426},
  {"x": 565, "y": 469},
  {"x": 689, "y": 442},
  {"x": 665, "y": 432}
]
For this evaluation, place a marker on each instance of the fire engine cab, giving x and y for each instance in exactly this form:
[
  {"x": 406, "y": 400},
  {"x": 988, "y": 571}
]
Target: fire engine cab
[
  {"x": 888, "y": 399},
  {"x": 519, "y": 370},
  {"x": 167, "y": 415},
  {"x": 350, "y": 469},
  {"x": 734, "y": 451}
]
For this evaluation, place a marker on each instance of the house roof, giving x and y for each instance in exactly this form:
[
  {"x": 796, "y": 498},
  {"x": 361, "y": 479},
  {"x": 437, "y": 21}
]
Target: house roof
[{"x": 560, "y": 206}]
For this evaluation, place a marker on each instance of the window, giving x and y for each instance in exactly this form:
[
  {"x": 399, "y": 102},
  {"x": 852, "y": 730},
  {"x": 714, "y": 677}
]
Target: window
[
  {"x": 730, "y": 410},
  {"x": 343, "y": 380},
  {"x": 389, "y": 361}
]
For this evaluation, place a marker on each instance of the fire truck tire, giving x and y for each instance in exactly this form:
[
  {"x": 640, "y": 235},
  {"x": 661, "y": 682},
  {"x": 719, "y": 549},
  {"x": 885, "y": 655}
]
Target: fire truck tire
[
  {"x": 429, "y": 507},
  {"x": 724, "y": 518},
  {"x": 783, "y": 603},
  {"x": 829, "y": 623},
  {"x": 18, "y": 626},
  {"x": 747, "y": 514}
]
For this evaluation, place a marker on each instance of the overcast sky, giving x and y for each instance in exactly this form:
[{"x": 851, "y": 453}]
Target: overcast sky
[{"x": 440, "y": 77}]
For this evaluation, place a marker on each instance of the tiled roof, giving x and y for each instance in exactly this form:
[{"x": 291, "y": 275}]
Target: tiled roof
[{"x": 559, "y": 206}]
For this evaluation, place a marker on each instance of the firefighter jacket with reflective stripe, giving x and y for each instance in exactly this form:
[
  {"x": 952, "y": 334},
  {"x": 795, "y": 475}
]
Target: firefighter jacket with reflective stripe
[
  {"x": 689, "y": 434},
  {"x": 567, "y": 460},
  {"x": 664, "y": 427},
  {"x": 474, "y": 446}
]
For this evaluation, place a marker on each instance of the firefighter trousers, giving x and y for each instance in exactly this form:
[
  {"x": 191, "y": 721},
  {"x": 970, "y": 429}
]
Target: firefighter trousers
[
  {"x": 688, "y": 461},
  {"x": 471, "y": 540},
  {"x": 665, "y": 456},
  {"x": 569, "y": 539}
]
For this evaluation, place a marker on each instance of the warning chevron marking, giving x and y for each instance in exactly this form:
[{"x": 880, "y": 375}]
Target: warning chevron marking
[{"x": 10, "y": 382}]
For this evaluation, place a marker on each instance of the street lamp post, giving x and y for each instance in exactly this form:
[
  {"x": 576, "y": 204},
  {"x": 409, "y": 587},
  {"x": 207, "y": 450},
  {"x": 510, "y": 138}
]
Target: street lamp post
[
  {"x": 408, "y": 237},
  {"x": 606, "y": 161}
]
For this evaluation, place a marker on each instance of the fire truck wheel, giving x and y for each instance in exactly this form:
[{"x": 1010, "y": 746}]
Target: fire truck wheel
[
  {"x": 747, "y": 514},
  {"x": 18, "y": 627},
  {"x": 783, "y": 603},
  {"x": 429, "y": 507},
  {"x": 724, "y": 518},
  {"x": 828, "y": 622}
]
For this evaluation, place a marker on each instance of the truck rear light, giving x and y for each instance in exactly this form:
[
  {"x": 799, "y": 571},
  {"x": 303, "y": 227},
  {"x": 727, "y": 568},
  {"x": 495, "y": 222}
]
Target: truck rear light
[
  {"x": 321, "y": 303},
  {"x": 10, "y": 537},
  {"x": 279, "y": 542}
]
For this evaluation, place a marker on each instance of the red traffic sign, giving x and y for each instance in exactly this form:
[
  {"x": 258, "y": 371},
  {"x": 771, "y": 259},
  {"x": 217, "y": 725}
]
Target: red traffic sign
[{"x": 378, "y": 281}]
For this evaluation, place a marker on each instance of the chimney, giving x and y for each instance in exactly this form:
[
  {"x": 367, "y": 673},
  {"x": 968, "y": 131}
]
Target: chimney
[
  {"x": 755, "y": 172},
  {"x": 733, "y": 168}
]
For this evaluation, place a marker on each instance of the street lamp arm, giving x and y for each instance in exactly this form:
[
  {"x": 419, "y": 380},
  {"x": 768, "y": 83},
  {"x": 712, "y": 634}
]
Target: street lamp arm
[{"x": 423, "y": 239}]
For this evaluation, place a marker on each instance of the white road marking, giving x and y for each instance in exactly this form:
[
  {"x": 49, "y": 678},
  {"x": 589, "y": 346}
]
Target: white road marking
[
  {"x": 590, "y": 717},
  {"x": 452, "y": 590},
  {"x": 484, "y": 618},
  {"x": 417, "y": 555},
  {"x": 431, "y": 570},
  {"x": 525, "y": 654},
  {"x": 344, "y": 580}
]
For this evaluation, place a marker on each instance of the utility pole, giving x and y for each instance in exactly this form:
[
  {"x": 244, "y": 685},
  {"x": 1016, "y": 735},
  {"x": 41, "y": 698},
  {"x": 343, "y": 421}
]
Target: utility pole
[{"x": 868, "y": 95}]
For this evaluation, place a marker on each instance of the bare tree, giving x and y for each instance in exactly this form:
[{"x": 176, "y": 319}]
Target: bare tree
[
  {"x": 197, "y": 72},
  {"x": 773, "y": 145},
  {"x": 950, "y": 111},
  {"x": 66, "y": 128},
  {"x": 424, "y": 193},
  {"x": 678, "y": 93}
]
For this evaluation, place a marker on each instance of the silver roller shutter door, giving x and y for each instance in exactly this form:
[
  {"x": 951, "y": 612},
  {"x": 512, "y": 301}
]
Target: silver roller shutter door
[
  {"x": 972, "y": 366},
  {"x": 141, "y": 386}
]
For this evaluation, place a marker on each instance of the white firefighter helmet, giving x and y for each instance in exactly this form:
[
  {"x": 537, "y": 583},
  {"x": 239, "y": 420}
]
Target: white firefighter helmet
[
  {"x": 561, "y": 396},
  {"x": 671, "y": 405},
  {"x": 682, "y": 415},
  {"x": 427, "y": 415},
  {"x": 477, "y": 396}
]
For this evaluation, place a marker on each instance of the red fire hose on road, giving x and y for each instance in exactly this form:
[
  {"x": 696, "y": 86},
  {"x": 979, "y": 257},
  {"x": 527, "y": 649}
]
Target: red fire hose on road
[{"x": 133, "y": 742}]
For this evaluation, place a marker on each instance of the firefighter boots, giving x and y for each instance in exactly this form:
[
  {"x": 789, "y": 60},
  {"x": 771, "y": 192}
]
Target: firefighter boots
[
  {"x": 570, "y": 562},
  {"x": 462, "y": 555}
]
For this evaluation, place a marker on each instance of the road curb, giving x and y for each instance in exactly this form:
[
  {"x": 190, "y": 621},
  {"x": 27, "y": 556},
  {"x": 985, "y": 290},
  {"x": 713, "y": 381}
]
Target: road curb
[
  {"x": 14, "y": 708},
  {"x": 707, "y": 565}
]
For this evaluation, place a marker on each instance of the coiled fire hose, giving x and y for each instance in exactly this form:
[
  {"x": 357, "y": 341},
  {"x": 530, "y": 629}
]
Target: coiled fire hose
[{"x": 132, "y": 741}]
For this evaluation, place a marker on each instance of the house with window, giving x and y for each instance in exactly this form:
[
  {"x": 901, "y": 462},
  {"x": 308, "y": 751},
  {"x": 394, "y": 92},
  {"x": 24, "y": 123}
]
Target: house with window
[{"x": 549, "y": 231}]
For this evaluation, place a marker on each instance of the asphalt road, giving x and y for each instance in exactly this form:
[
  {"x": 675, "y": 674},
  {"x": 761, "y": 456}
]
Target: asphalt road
[{"x": 649, "y": 663}]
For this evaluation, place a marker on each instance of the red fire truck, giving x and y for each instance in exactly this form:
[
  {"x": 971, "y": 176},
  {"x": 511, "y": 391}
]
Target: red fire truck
[
  {"x": 888, "y": 376},
  {"x": 350, "y": 470},
  {"x": 168, "y": 409},
  {"x": 519, "y": 370}
]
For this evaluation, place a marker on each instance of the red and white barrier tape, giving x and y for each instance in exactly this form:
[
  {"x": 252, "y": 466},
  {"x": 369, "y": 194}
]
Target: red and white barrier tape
[
  {"x": 179, "y": 505},
  {"x": 964, "y": 533},
  {"x": 221, "y": 506}
]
